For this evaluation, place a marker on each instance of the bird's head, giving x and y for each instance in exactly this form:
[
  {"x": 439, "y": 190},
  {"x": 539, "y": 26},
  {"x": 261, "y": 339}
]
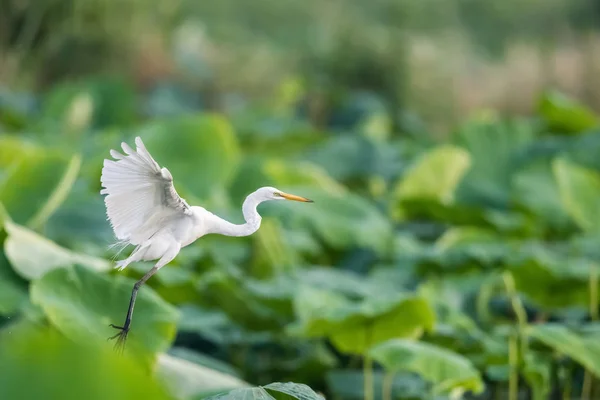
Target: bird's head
[{"x": 271, "y": 193}]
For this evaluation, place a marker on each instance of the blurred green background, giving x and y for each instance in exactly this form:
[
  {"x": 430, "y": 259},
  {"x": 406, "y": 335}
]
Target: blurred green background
[{"x": 452, "y": 150}]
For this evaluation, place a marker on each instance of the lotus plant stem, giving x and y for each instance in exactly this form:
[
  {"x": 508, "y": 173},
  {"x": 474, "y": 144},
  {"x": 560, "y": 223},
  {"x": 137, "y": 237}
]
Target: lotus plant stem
[
  {"x": 586, "y": 389},
  {"x": 387, "y": 386},
  {"x": 368, "y": 373},
  {"x": 588, "y": 380},
  {"x": 368, "y": 366},
  {"x": 594, "y": 293},
  {"x": 567, "y": 387},
  {"x": 518, "y": 309},
  {"x": 515, "y": 340},
  {"x": 513, "y": 361}
]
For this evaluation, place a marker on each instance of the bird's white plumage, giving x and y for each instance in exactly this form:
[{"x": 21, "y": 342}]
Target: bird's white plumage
[
  {"x": 139, "y": 194},
  {"x": 145, "y": 210}
]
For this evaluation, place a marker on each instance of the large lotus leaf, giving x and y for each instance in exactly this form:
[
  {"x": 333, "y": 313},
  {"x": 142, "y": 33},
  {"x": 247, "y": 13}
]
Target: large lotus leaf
[
  {"x": 535, "y": 187},
  {"x": 32, "y": 255},
  {"x": 493, "y": 146},
  {"x": 58, "y": 195},
  {"x": 565, "y": 115},
  {"x": 100, "y": 102},
  {"x": 80, "y": 222},
  {"x": 13, "y": 148},
  {"x": 13, "y": 289},
  {"x": 35, "y": 183},
  {"x": 213, "y": 325},
  {"x": 265, "y": 134},
  {"x": 201, "y": 151},
  {"x": 349, "y": 384},
  {"x": 203, "y": 360},
  {"x": 249, "y": 176},
  {"x": 341, "y": 220},
  {"x": 444, "y": 369},
  {"x": 560, "y": 281},
  {"x": 354, "y": 327},
  {"x": 349, "y": 157},
  {"x": 295, "y": 390},
  {"x": 458, "y": 236},
  {"x": 582, "y": 148},
  {"x": 40, "y": 363},
  {"x": 82, "y": 304},
  {"x": 462, "y": 250},
  {"x": 272, "y": 252},
  {"x": 579, "y": 189},
  {"x": 253, "y": 304},
  {"x": 435, "y": 176},
  {"x": 582, "y": 349},
  {"x": 186, "y": 379},
  {"x": 336, "y": 280}
]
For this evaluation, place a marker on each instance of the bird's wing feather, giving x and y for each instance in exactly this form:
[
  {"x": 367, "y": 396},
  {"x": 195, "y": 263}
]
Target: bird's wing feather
[{"x": 140, "y": 194}]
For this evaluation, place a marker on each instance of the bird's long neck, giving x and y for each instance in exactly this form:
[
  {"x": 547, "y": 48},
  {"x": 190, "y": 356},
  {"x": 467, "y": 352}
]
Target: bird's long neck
[{"x": 251, "y": 216}]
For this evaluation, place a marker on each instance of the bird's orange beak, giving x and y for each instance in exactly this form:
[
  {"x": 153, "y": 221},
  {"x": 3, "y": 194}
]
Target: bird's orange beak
[{"x": 288, "y": 196}]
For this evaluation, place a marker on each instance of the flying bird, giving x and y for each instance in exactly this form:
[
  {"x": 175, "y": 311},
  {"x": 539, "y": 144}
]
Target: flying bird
[{"x": 145, "y": 211}]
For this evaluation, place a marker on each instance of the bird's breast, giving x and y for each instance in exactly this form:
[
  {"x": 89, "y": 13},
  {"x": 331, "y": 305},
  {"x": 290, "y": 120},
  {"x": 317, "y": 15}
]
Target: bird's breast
[{"x": 194, "y": 229}]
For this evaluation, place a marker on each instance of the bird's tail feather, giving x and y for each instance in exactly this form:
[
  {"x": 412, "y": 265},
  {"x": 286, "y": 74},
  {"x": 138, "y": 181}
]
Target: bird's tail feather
[{"x": 120, "y": 245}]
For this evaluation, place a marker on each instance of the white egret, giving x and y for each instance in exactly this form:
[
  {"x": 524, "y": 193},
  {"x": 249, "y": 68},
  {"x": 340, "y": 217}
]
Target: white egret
[{"x": 145, "y": 210}]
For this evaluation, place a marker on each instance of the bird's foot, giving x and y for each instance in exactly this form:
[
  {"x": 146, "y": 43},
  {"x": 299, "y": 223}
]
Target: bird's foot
[{"x": 121, "y": 337}]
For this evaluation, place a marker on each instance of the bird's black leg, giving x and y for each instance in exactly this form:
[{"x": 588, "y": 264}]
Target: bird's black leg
[{"x": 122, "y": 336}]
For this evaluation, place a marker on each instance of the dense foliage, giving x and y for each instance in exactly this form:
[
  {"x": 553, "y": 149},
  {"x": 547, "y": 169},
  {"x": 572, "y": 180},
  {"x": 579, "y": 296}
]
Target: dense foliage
[{"x": 422, "y": 269}]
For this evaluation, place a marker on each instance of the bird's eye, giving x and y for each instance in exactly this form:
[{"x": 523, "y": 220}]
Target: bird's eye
[{"x": 276, "y": 194}]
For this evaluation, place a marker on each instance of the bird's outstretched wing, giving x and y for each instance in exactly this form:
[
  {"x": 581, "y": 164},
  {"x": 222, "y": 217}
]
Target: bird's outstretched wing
[{"x": 140, "y": 195}]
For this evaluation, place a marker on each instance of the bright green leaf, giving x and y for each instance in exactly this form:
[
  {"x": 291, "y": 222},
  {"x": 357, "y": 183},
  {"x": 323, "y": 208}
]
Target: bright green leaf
[
  {"x": 31, "y": 181},
  {"x": 201, "y": 151},
  {"x": 82, "y": 304},
  {"x": 354, "y": 327},
  {"x": 58, "y": 195},
  {"x": 296, "y": 390},
  {"x": 198, "y": 358},
  {"x": 536, "y": 188},
  {"x": 585, "y": 351},
  {"x": 13, "y": 290},
  {"x": 444, "y": 369},
  {"x": 537, "y": 371},
  {"x": 579, "y": 190},
  {"x": 436, "y": 175},
  {"x": 32, "y": 255},
  {"x": 40, "y": 363},
  {"x": 494, "y": 146},
  {"x": 186, "y": 379},
  {"x": 284, "y": 174},
  {"x": 566, "y": 115}
]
